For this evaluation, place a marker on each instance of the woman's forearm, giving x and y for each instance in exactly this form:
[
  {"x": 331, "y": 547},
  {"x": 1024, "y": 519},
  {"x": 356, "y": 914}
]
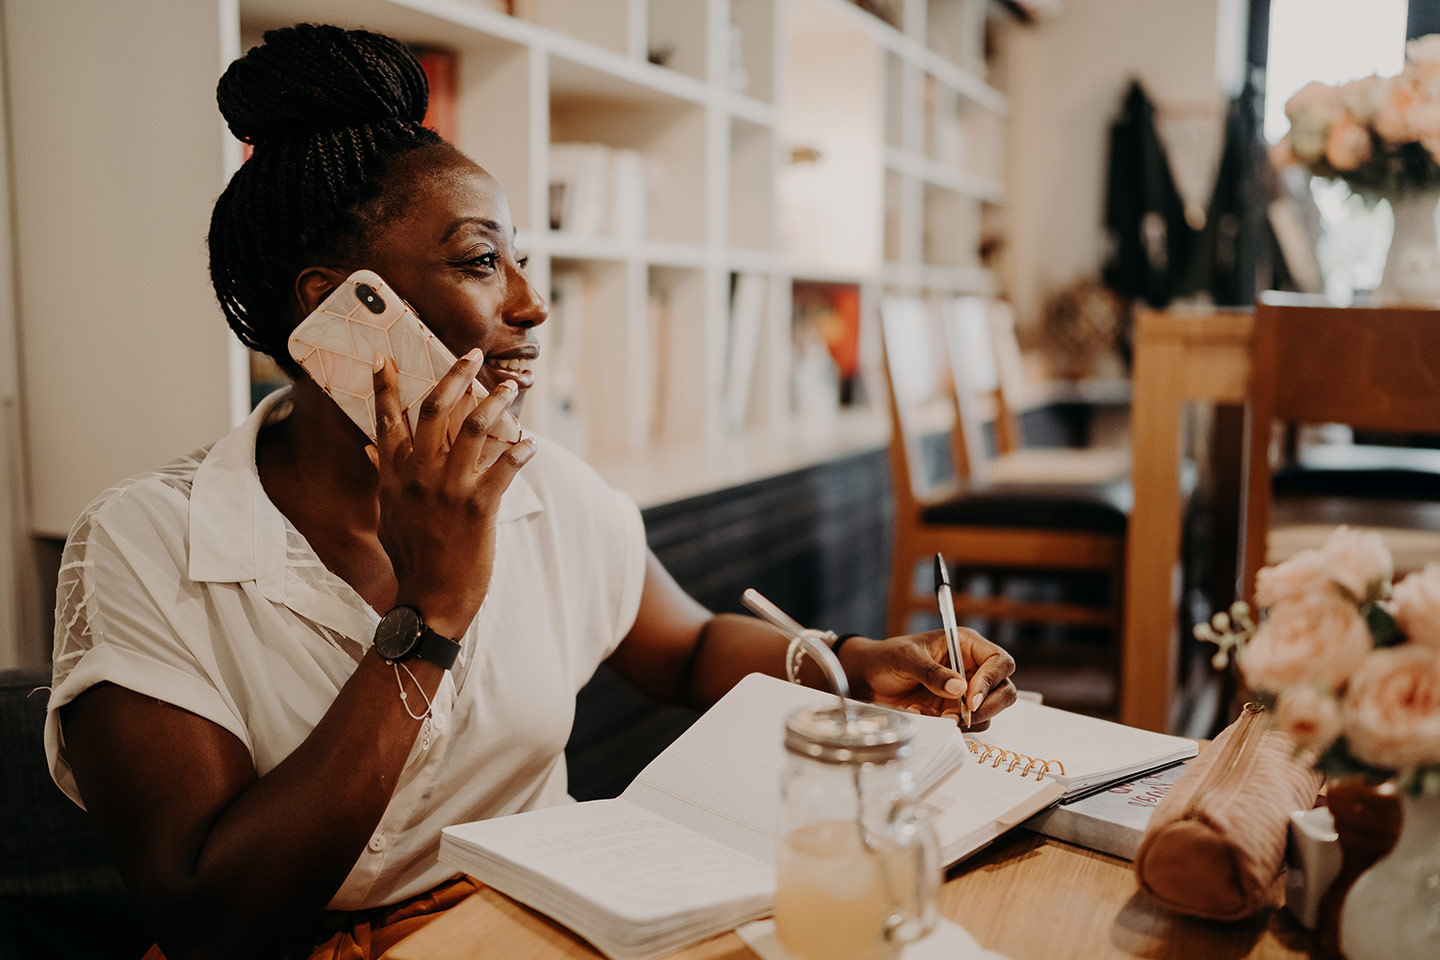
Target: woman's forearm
[
  {"x": 245, "y": 881},
  {"x": 730, "y": 646}
]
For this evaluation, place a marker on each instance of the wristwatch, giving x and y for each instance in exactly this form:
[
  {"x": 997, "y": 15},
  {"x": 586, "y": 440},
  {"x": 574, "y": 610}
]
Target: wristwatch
[{"x": 402, "y": 634}]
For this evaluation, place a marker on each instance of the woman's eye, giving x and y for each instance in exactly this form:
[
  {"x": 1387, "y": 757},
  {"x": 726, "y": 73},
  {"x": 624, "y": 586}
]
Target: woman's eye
[
  {"x": 523, "y": 262},
  {"x": 486, "y": 260}
]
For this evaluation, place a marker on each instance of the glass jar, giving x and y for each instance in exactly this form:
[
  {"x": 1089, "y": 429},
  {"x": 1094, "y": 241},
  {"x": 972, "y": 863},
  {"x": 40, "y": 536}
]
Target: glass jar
[{"x": 858, "y": 868}]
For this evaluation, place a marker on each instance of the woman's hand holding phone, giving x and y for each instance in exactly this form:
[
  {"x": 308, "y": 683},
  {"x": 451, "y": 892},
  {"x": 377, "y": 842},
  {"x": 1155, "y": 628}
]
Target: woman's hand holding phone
[{"x": 439, "y": 501}]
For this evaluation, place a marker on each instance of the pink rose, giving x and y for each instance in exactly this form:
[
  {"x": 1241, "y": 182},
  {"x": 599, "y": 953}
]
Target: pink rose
[
  {"x": 1301, "y": 574},
  {"x": 1364, "y": 97},
  {"x": 1425, "y": 124},
  {"x": 1357, "y": 560},
  {"x": 1392, "y": 710},
  {"x": 1281, "y": 155},
  {"x": 1309, "y": 717},
  {"x": 1347, "y": 146},
  {"x": 1422, "y": 50},
  {"x": 1392, "y": 120},
  {"x": 1314, "y": 96},
  {"x": 1417, "y": 606},
  {"x": 1316, "y": 639}
]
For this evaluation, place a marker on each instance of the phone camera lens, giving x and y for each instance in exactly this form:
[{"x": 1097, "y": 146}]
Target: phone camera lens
[{"x": 370, "y": 298}]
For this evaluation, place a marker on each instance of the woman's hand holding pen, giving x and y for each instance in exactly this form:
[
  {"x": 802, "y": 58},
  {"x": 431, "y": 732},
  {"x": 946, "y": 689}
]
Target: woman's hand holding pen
[
  {"x": 911, "y": 673},
  {"x": 439, "y": 503}
]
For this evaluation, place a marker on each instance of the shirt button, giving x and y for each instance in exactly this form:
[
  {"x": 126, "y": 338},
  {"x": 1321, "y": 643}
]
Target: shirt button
[{"x": 377, "y": 842}]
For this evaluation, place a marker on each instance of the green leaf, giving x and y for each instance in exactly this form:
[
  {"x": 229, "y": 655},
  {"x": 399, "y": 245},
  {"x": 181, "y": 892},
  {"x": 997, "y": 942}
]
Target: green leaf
[{"x": 1382, "y": 626}]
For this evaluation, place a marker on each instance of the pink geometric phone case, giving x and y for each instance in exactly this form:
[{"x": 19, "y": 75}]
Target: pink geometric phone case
[{"x": 337, "y": 345}]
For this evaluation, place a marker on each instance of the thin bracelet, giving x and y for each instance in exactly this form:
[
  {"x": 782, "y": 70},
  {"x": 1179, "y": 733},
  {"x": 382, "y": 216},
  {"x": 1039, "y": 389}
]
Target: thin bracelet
[{"x": 426, "y": 718}]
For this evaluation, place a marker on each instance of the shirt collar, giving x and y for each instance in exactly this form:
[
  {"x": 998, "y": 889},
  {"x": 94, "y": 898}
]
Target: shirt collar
[{"x": 237, "y": 534}]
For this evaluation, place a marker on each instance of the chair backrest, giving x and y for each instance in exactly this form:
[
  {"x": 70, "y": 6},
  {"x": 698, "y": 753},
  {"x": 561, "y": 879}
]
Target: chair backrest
[
  {"x": 54, "y": 870},
  {"x": 1376, "y": 368},
  {"x": 915, "y": 375},
  {"x": 943, "y": 377}
]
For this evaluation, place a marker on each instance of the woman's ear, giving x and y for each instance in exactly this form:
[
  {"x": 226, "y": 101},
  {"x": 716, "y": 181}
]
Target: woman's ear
[{"x": 312, "y": 287}]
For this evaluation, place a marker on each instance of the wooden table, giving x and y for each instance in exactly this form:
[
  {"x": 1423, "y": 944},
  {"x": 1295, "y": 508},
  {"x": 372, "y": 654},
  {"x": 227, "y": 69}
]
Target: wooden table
[
  {"x": 1027, "y": 897},
  {"x": 1180, "y": 357}
]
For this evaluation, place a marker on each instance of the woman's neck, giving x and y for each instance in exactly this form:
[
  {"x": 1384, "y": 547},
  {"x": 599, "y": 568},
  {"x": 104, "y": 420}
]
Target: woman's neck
[{"x": 314, "y": 461}]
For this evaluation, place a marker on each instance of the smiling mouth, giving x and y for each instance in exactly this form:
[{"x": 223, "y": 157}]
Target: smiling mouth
[{"x": 520, "y": 370}]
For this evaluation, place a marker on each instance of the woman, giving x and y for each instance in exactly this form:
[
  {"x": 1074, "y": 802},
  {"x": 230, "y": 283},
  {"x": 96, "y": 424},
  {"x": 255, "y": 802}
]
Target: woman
[{"x": 220, "y": 705}]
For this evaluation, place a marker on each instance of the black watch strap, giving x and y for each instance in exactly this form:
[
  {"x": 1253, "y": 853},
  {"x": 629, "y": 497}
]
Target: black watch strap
[{"x": 439, "y": 650}]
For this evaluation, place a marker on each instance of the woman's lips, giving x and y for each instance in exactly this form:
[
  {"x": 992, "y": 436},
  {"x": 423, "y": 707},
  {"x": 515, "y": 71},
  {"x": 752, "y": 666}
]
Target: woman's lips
[{"x": 519, "y": 370}]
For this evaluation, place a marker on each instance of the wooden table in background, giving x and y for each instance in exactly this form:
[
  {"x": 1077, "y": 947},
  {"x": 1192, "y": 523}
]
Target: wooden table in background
[
  {"x": 1026, "y": 897},
  {"x": 1180, "y": 357}
]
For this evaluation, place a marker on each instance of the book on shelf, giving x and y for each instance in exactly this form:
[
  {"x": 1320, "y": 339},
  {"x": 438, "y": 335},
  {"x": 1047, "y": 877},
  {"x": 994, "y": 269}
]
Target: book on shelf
[
  {"x": 597, "y": 190},
  {"x": 561, "y": 343},
  {"x": 1113, "y": 820},
  {"x": 440, "y": 74},
  {"x": 687, "y": 850},
  {"x": 747, "y": 313}
]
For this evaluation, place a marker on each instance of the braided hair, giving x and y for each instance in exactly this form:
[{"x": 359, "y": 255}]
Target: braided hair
[{"x": 328, "y": 111}]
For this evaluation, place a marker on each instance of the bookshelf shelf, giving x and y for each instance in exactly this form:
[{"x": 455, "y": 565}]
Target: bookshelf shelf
[{"x": 782, "y": 143}]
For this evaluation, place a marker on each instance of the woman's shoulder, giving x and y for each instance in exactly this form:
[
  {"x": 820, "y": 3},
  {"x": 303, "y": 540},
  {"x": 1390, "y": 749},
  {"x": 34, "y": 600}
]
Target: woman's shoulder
[
  {"x": 557, "y": 471},
  {"x": 154, "y": 497}
]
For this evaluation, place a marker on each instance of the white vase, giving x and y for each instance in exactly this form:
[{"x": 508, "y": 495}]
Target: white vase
[
  {"x": 1412, "y": 268},
  {"x": 1393, "y": 909}
]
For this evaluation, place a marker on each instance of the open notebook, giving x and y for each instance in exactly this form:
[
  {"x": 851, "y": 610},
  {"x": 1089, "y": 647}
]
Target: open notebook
[
  {"x": 1082, "y": 754},
  {"x": 687, "y": 850}
]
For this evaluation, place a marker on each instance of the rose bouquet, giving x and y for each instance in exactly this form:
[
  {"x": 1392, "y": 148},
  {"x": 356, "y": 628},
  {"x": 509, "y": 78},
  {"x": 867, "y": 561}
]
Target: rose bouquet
[
  {"x": 1381, "y": 135},
  {"x": 1348, "y": 666}
]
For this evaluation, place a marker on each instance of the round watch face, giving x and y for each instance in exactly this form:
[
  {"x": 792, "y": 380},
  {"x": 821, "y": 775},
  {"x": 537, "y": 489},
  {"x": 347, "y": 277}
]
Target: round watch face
[{"x": 398, "y": 632}]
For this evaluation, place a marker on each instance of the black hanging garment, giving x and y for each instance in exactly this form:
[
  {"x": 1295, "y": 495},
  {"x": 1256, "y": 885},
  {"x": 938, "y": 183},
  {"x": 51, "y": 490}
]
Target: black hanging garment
[
  {"x": 1232, "y": 241},
  {"x": 1150, "y": 242}
]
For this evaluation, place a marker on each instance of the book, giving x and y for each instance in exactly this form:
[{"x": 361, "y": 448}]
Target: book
[
  {"x": 747, "y": 309},
  {"x": 1111, "y": 821},
  {"x": 687, "y": 850}
]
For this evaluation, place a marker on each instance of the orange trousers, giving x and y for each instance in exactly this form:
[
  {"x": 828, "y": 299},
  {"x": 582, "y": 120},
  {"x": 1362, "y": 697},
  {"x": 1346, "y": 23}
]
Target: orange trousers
[{"x": 369, "y": 934}]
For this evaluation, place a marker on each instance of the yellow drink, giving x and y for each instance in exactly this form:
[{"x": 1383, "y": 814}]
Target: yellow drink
[{"x": 832, "y": 898}]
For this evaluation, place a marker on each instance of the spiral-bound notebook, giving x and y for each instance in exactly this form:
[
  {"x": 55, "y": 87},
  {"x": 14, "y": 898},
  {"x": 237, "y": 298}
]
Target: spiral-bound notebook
[{"x": 1082, "y": 754}]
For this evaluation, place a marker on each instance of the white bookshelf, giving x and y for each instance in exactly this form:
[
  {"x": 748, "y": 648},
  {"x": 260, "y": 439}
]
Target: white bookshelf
[{"x": 906, "y": 130}]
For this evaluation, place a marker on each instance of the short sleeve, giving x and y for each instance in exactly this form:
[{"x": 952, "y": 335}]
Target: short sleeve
[
  {"x": 125, "y": 613},
  {"x": 631, "y": 553}
]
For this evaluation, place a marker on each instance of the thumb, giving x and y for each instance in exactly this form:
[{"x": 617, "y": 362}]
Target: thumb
[{"x": 936, "y": 677}]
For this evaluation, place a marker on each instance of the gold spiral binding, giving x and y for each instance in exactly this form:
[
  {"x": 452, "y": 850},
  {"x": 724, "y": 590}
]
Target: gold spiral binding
[{"x": 995, "y": 756}]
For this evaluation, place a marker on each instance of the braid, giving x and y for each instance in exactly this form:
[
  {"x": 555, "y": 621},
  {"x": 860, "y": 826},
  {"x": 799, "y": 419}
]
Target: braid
[{"x": 328, "y": 111}]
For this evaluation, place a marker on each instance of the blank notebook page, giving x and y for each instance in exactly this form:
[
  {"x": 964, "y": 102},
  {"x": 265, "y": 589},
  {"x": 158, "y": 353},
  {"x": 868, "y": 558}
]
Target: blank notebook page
[{"x": 722, "y": 777}]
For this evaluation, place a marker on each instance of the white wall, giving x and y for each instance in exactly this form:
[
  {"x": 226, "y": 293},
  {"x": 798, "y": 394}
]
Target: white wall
[{"x": 1068, "y": 76}]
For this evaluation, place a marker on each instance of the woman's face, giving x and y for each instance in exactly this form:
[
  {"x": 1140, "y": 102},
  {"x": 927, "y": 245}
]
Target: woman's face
[{"x": 450, "y": 252}]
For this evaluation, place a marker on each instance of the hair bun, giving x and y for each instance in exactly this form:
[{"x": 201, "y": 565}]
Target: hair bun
[{"x": 314, "y": 77}]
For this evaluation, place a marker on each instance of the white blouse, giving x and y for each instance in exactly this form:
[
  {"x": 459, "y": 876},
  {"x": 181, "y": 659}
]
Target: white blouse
[{"x": 186, "y": 584}]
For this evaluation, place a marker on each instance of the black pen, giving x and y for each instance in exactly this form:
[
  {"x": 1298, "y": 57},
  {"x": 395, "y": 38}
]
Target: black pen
[{"x": 952, "y": 631}]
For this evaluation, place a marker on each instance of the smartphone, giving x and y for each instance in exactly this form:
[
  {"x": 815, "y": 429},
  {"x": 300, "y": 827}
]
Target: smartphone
[{"x": 337, "y": 345}]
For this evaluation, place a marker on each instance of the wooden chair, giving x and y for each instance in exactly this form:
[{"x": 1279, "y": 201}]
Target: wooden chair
[
  {"x": 987, "y": 516},
  {"x": 1371, "y": 368}
]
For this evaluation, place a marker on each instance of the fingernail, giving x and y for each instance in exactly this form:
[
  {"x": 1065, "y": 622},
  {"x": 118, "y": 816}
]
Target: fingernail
[
  {"x": 975, "y": 701},
  {"x": 956, "y": 686},
  {"x": 377, "y": 362},
  {"x": 472, "y": 354},
  {"x": 507, "y": 387},
  {"x": 913, "y": 709}
]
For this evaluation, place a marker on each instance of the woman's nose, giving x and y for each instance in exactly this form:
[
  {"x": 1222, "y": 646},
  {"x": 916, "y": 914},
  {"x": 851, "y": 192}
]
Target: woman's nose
[{"x": 526, "y": 308}]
